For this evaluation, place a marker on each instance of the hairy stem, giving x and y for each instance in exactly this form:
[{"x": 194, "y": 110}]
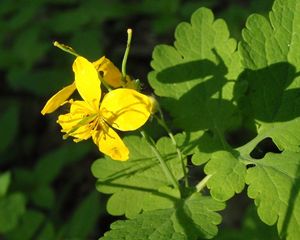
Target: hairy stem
[
  {"x": 162, "y": 162},
  {"x": 162, "y": 122}
]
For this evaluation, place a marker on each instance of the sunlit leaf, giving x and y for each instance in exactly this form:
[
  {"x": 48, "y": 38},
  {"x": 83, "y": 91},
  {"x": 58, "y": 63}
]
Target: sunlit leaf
[
  {"x": 190, "y": 219},
  {"x": 140, "y": 178}
]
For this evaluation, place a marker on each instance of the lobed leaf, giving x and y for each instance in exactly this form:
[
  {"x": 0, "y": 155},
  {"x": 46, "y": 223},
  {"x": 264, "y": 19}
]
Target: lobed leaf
[
  {"x": 271, "y": 98},
  {"x": 274, "y": 183},
  {"x": 227, "y": 175},
  {"x": 270, "y": 54},
  {"x": 195, "y": 79},
  {"x": 192, "y": 77},
  {"x": 190, "y": 219},
  {"x": 140, "y": 178}
]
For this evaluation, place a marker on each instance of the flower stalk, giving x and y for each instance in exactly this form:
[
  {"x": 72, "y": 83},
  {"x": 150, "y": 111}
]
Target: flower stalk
[{"x": 125, "y": 57}]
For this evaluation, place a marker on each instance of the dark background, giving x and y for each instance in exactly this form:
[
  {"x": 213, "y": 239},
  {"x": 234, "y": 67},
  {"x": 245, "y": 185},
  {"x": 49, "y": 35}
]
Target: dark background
[{"x": 52, "y": 175}]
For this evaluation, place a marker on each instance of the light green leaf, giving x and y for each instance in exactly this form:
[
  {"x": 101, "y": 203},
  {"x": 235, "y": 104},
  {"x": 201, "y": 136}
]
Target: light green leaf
[
  {"x": 193, "y": 218},
  {"x": 4, "y": 183},
  {"x": 140, "y": 178},
  {"x": 12, "y": 207},
  {"x": 227, "y": 175},
  {"x": 196, "y": 79},
  {"x": 149, "y": 225},
  {"x": 270, "y": 54},
  {"x": 274, "y": 183},
  {"x": 193, "y": 76},
  {"x": 271, "y": 97}
]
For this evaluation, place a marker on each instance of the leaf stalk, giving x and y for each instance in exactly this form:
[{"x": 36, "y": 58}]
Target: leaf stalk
[
  {"x": 162, "y": 122},
  {"x": 162, "y": 162},
  {"x": 202, "y": 183}
]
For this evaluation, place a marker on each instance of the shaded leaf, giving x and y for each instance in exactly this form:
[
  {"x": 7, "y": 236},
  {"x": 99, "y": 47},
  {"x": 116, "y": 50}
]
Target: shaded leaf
[
  {"x": 12, "y": 207},
  {"x": 84, "y": 218},
  {"x": 270, "y": 53},
  {"x": 52, "y": 163},
  {"x": 32, "y": 224},
  {"x": 196, "y": 72},
  {"x": 5, "y": 179}
]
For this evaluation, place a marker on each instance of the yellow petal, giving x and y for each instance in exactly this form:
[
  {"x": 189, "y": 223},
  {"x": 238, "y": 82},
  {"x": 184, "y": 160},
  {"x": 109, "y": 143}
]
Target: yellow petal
[
  {"x": 58, "y": 99},
  {"x": 111, "y": 73},
  {"x": 111, "y": 144},
  {"x": 125, "y": 109},
  {"x": 76, "y": 122},
  {"x": 87, "y": 81}
]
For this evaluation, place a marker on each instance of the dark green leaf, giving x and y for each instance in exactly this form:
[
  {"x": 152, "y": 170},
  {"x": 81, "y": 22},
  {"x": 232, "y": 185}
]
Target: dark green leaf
[{"x": 12, "y": 207}]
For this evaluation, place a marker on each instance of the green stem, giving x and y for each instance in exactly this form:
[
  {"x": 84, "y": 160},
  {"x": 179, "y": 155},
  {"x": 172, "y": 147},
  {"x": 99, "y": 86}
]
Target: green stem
[
  {"x": 202, "y": 183},
  {"x": 108, "y": 88},
  {"x": 162, "y": 122},
  {"x": 162, "y": 162},
  {"x": 129, "y": 36},
  {"x": 65, "y": 48},
  {"x": 179, "y": 154}
]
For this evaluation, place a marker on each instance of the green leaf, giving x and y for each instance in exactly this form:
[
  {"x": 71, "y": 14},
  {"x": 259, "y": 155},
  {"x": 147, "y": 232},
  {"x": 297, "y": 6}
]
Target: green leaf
[
  {"x": 52, "y": 163},
  {"x": 33, "y": 225},
  {"x": 274, "y": 183},
  {"x": 270, "y": 53},
  {"x": 227, "y": 175},
  {"x": 271, "y": 97},
  {"x": 140, "y": 178},
  {"x": 193, "y": 218},
  {"x": 84, "y": 218},
  {"x": 12, "y": 207},
  {"x": 43, "y": 196},
  {"x": 196, "y": 80},
  {"x": 4, "y": 183},
  {"x": 193, "y": 76}
]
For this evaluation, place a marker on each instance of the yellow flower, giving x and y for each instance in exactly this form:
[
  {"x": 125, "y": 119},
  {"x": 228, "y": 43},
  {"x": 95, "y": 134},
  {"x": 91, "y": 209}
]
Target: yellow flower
[
  {"x": 109, "y": 73},
  {"x": 122, "y": 109}
]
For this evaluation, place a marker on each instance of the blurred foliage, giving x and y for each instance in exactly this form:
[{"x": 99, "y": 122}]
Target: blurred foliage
[{"x": 46, "y": 187}]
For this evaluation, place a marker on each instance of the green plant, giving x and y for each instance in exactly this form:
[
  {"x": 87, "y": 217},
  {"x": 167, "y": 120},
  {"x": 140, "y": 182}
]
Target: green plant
[
  {"x": 213, "y": 87},
  {"x": 226, "y": 128}
]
